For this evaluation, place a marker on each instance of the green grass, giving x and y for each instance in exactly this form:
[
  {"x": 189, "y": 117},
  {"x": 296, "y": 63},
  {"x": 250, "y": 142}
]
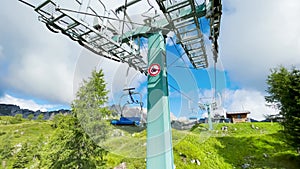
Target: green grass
[
  {"x": 30, "y": 132},
  {"x": 259, "y": 144},
  {"x": 261, "y": 147}
]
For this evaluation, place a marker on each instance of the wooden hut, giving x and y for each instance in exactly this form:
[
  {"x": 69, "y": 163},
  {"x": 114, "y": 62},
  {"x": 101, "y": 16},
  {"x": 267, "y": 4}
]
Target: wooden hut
[{"x": 238, "y": 116}]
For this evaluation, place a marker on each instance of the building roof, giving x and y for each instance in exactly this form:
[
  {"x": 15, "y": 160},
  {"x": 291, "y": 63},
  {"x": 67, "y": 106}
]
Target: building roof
[{"x": 238, "y": 112}]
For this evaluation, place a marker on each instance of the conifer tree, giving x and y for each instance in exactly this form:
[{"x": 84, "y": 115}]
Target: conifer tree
[
  {"x": 284, "y": 90},
  {"x": 74, "y": 144},
  {"x": 89, "y": 106}
]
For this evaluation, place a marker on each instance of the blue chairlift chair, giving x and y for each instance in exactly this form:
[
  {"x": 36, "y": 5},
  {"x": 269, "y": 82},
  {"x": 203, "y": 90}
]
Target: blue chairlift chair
[{"x": 129, "y": 121}]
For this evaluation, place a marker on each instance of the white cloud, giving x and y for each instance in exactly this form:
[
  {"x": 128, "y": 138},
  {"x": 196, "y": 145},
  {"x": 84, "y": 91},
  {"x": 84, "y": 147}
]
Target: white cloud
[
  {"x": 258, "y": 35},
  {"x": 117, "y": 75},
  {"x": 171, "y": 36},
  {"x": 39, "y": 63},
  {"x": 25, "y": 104},
  {"x": 45, "y": 74},
  {"x": 251, "y": 100},
  {"x": 255, "y": 36},
  {"x": 42, "y": 64},
  {"x": 239, "y": 100}
]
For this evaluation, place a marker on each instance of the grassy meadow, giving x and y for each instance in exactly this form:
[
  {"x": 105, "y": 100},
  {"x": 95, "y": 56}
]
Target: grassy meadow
[{"x": 243, "y": 145}]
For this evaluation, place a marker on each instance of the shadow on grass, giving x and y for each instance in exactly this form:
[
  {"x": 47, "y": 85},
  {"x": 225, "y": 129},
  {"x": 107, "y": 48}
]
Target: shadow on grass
[
  {"x": 266, "y": 151},
  {"x": 130, "y": 129}
]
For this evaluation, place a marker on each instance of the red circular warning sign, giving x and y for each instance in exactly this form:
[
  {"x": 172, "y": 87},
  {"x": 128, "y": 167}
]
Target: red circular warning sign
[{"x": 154, "y": 69}]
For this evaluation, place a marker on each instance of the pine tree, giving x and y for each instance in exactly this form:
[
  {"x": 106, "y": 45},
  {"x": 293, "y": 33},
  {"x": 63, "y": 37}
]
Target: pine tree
[
  {"x": 89, "y": 106},
  {"x": 284, "y": 90},
  {"x": 74, "y": 144},
  {"x": 71, "y": 147}
]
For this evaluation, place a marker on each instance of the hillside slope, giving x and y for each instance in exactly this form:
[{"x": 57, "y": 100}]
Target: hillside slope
[{"x": 245, "y": 145}]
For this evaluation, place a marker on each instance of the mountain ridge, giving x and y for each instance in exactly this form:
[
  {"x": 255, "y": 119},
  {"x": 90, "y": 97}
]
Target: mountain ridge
[{"x": 12, "y": 110}]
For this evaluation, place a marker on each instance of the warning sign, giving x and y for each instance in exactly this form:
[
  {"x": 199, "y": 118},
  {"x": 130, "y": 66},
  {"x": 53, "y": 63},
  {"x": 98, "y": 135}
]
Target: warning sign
[{"x": 154, "y": 69}]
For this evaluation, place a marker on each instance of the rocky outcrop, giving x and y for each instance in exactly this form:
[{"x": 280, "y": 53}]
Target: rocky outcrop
[
  {"x": 12, "y": 110},
  {"x": 183, "y": 124},
  {"x": 121, "y": 166}
]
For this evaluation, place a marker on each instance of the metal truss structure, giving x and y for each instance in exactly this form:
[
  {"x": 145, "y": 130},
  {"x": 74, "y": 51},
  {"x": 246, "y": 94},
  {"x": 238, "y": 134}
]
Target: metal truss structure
[{"x": 120, "y": 41}]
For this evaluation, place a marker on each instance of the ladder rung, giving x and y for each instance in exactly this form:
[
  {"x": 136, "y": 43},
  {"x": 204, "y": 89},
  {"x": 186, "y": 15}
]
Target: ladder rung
[
  {"x": 116, "y": 48},
  {"x": 95, "y": 39},
  {"x": 85, "y": 33},
  {"x": 178, "y": 6},
  {"x": 197, "y": 55},
  {"x": 110, "y": 46},
  {"x": 129, "y": 57},
  {"x": 184, "y": 25},
  {"x": 71, "y": 26},
  {"x": 199, "y": 58},
  {"x": 193, "y": 41},
  {"x": 112, "y": 49},
  {"x": 180, "y": 17},
  {"x": 107, "y": 43},
  {"x": 190, "y": 38},
  {"x": 195, "y": 50},
  {"x": 43, "y": 4},
  {"x": 117, "y": 51},
  {"x": 200, "y": 63},
  {"x": 184, "y": 21},
  {"x": 57, "y": 18},
  {"x": 194, "y": 46},
  {"x": 193, "y": 56},
  {"x": 188, "y": 31}
]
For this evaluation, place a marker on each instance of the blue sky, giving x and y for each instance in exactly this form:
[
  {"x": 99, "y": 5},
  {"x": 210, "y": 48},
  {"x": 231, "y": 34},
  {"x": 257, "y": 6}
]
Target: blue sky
[{"x": 42, "y": 70}]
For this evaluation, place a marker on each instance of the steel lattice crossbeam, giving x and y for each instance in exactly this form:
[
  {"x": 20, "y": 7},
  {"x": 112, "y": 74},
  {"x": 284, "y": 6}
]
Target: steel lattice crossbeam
[
  {"x": 91, "y": 37},
  {"x": 183, "y": 16}
]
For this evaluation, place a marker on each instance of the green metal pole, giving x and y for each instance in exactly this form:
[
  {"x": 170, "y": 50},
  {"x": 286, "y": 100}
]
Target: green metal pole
[
  {"x": 159, "y": 133},
  {"x": 209, "y": 117}
]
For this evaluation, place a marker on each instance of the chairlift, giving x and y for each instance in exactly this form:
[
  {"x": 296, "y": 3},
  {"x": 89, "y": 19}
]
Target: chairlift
[{"x": 130, "y": 121}]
